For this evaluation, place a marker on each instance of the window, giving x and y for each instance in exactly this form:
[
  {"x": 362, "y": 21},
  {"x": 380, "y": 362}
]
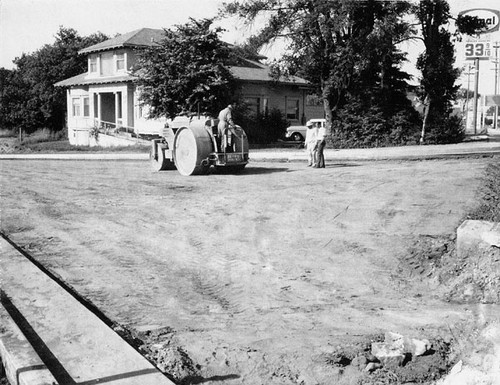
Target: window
[
  {"x": 292, "y": 109},
  {"x": 257, "y": 105},
  {"x": 120, "y": 61},
  {"x": 76, "y": 108},
  {"x": 93, "y": 64},
  {"x": 265, "y": 105},
  {"x": 253, "y": 105},
  {"x": 86, "y": 106}
]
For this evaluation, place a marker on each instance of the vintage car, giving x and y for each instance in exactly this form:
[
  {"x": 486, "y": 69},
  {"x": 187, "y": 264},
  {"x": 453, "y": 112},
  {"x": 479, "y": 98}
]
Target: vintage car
[{"x": 298, "y": 133}]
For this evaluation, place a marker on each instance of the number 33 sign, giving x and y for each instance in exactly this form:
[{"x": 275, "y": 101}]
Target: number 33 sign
[{"x": 477, "y": 50}]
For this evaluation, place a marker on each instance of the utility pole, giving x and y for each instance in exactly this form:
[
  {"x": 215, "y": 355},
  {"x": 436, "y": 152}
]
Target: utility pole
[
  {"x": 468, "y": 73},
  {"x": 476, "y": 89},
  {"x": 496, "y": 46}
]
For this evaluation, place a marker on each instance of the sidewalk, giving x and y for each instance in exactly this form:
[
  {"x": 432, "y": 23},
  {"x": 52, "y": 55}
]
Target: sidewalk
[
  {"x": 484, "y": 147},
  {"x": 386, "y": 153}
]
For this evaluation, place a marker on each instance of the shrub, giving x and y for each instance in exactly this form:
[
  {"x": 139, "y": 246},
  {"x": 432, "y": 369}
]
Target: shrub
[
  {"x": 261, "y": 128},
  {"x": 45, "y": 135},
  {"x": 357, "y": 126},
  {"x": 447, "y": 130}
]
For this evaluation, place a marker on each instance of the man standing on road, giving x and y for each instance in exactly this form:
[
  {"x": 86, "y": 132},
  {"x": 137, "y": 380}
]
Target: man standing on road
[
  {"x": 226, "y": 126},
  {"x": 319, "y": 158},
  {"x": 311, "y": 135}
]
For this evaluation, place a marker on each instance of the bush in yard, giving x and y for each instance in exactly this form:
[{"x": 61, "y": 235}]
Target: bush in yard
[
  {"x": 261, "y": 128},
  {"x": 360, "y": 126},
  {"x": 448, "y": 130}
]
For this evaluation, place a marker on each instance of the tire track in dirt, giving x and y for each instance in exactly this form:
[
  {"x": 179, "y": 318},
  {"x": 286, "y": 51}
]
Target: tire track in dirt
[{"x": 210, "y": 270}]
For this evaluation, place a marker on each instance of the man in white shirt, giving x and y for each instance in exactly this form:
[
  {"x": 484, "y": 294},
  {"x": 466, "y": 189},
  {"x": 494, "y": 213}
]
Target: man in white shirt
[
  {"x": 310, "y": 142},
  {"x": 319, "y": 158},
  {"x": 226, "y": 127}
]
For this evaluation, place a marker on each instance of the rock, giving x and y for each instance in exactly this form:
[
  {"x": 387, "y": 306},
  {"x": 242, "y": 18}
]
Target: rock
[
  {"x": 396, "y": 348},
  {"x": 372, "y": 366},
  {"x": 417, "y": 347},
  {"x": 387, "y": 354},
  {"x": 457, "y": 368},
  {"x": 371, "y": 358},
  {"x": 394, "y": 339},
  {"x": 473, "y": 235},
  {"x": 359, "y": 362}
]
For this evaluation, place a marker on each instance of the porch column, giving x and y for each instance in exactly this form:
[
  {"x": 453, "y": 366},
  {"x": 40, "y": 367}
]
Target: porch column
[
  {"x": 117, "y": 108},
  {"x": 99, "y": 103}
]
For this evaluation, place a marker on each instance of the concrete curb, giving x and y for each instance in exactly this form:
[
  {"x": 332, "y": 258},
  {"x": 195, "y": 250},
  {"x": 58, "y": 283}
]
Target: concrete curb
[
  {"x": 22, "y": 364},
  {"x": 77, "y": 156},
  {"x": 74, "y": 345}
]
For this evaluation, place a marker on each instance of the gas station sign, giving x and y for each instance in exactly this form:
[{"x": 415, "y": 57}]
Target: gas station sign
[
  {"x": 491, "y": 18},
  {"x": 478, "y": 50}
]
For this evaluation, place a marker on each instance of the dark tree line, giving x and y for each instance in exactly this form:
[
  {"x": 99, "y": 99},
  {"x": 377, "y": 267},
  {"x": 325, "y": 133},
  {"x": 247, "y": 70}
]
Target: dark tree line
[
  {"x": 348, "y": 50},
  {"x": 28, "y": 98}
]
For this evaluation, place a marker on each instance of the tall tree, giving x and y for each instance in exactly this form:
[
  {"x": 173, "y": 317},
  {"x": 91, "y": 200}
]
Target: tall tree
[
  {"x": 41, "y": 105},
  {"x": 439, "y": 76},
  {"x": 187, "y": 72},
  {"x": 436, "y": 63}
]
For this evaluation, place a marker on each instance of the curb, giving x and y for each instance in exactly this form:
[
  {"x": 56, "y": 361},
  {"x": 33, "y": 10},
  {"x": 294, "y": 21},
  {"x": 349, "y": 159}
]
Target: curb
[
  {"x": 50, "y": 333},
  {"x": 76, "y": 156},
  {"x": 22, "y": 364}
]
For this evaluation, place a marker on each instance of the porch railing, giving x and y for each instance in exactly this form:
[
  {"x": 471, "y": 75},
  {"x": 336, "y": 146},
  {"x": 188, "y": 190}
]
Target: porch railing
[{"x": 114, "y": 128}]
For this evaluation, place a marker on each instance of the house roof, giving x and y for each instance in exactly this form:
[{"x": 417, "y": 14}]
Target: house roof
[
  {"x": 258, "y": 72},
  {"x": 143, "y": 37},
  {"x": 249, "y": 70},
  {"x": 82, "y": 80}
]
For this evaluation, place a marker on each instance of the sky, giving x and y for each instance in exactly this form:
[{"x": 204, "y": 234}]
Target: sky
[{"x": 26, "y": 25}]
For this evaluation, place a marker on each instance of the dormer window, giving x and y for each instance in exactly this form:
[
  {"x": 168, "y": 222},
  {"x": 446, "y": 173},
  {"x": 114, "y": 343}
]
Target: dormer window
[
  {"x": 93, "y": 64},
  {"x": 120, "y": 61}
]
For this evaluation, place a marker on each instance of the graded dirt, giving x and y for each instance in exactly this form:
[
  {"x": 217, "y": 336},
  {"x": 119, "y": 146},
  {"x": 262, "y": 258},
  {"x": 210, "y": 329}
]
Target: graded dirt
[{"x": 258, "y": 278}]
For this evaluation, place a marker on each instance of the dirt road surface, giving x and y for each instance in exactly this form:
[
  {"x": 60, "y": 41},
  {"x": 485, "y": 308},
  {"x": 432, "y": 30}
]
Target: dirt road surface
[{"x": 255, "y": 277}]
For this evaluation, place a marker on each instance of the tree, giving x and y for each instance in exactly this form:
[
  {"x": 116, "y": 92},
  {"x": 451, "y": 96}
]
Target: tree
[
  {"x": 13, "y": 91},
  {"x": 187, "y": 72},
  {"x": 345, "y": 48},
  {"x": 37, "y": 103},
  {"x": 436, "y": 62},
  {"x": 438, "y": 88}
]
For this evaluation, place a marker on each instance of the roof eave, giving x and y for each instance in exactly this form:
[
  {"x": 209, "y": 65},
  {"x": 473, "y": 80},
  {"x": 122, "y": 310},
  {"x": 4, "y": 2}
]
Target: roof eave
[
  {"x": 279, "y": 82},
  {"x": 89, "y": 82},
  {"x": 109, "y": 48}
]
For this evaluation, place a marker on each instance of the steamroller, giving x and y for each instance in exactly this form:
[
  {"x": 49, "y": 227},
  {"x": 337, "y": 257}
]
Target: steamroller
[{"x": 193, "y": 146}]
